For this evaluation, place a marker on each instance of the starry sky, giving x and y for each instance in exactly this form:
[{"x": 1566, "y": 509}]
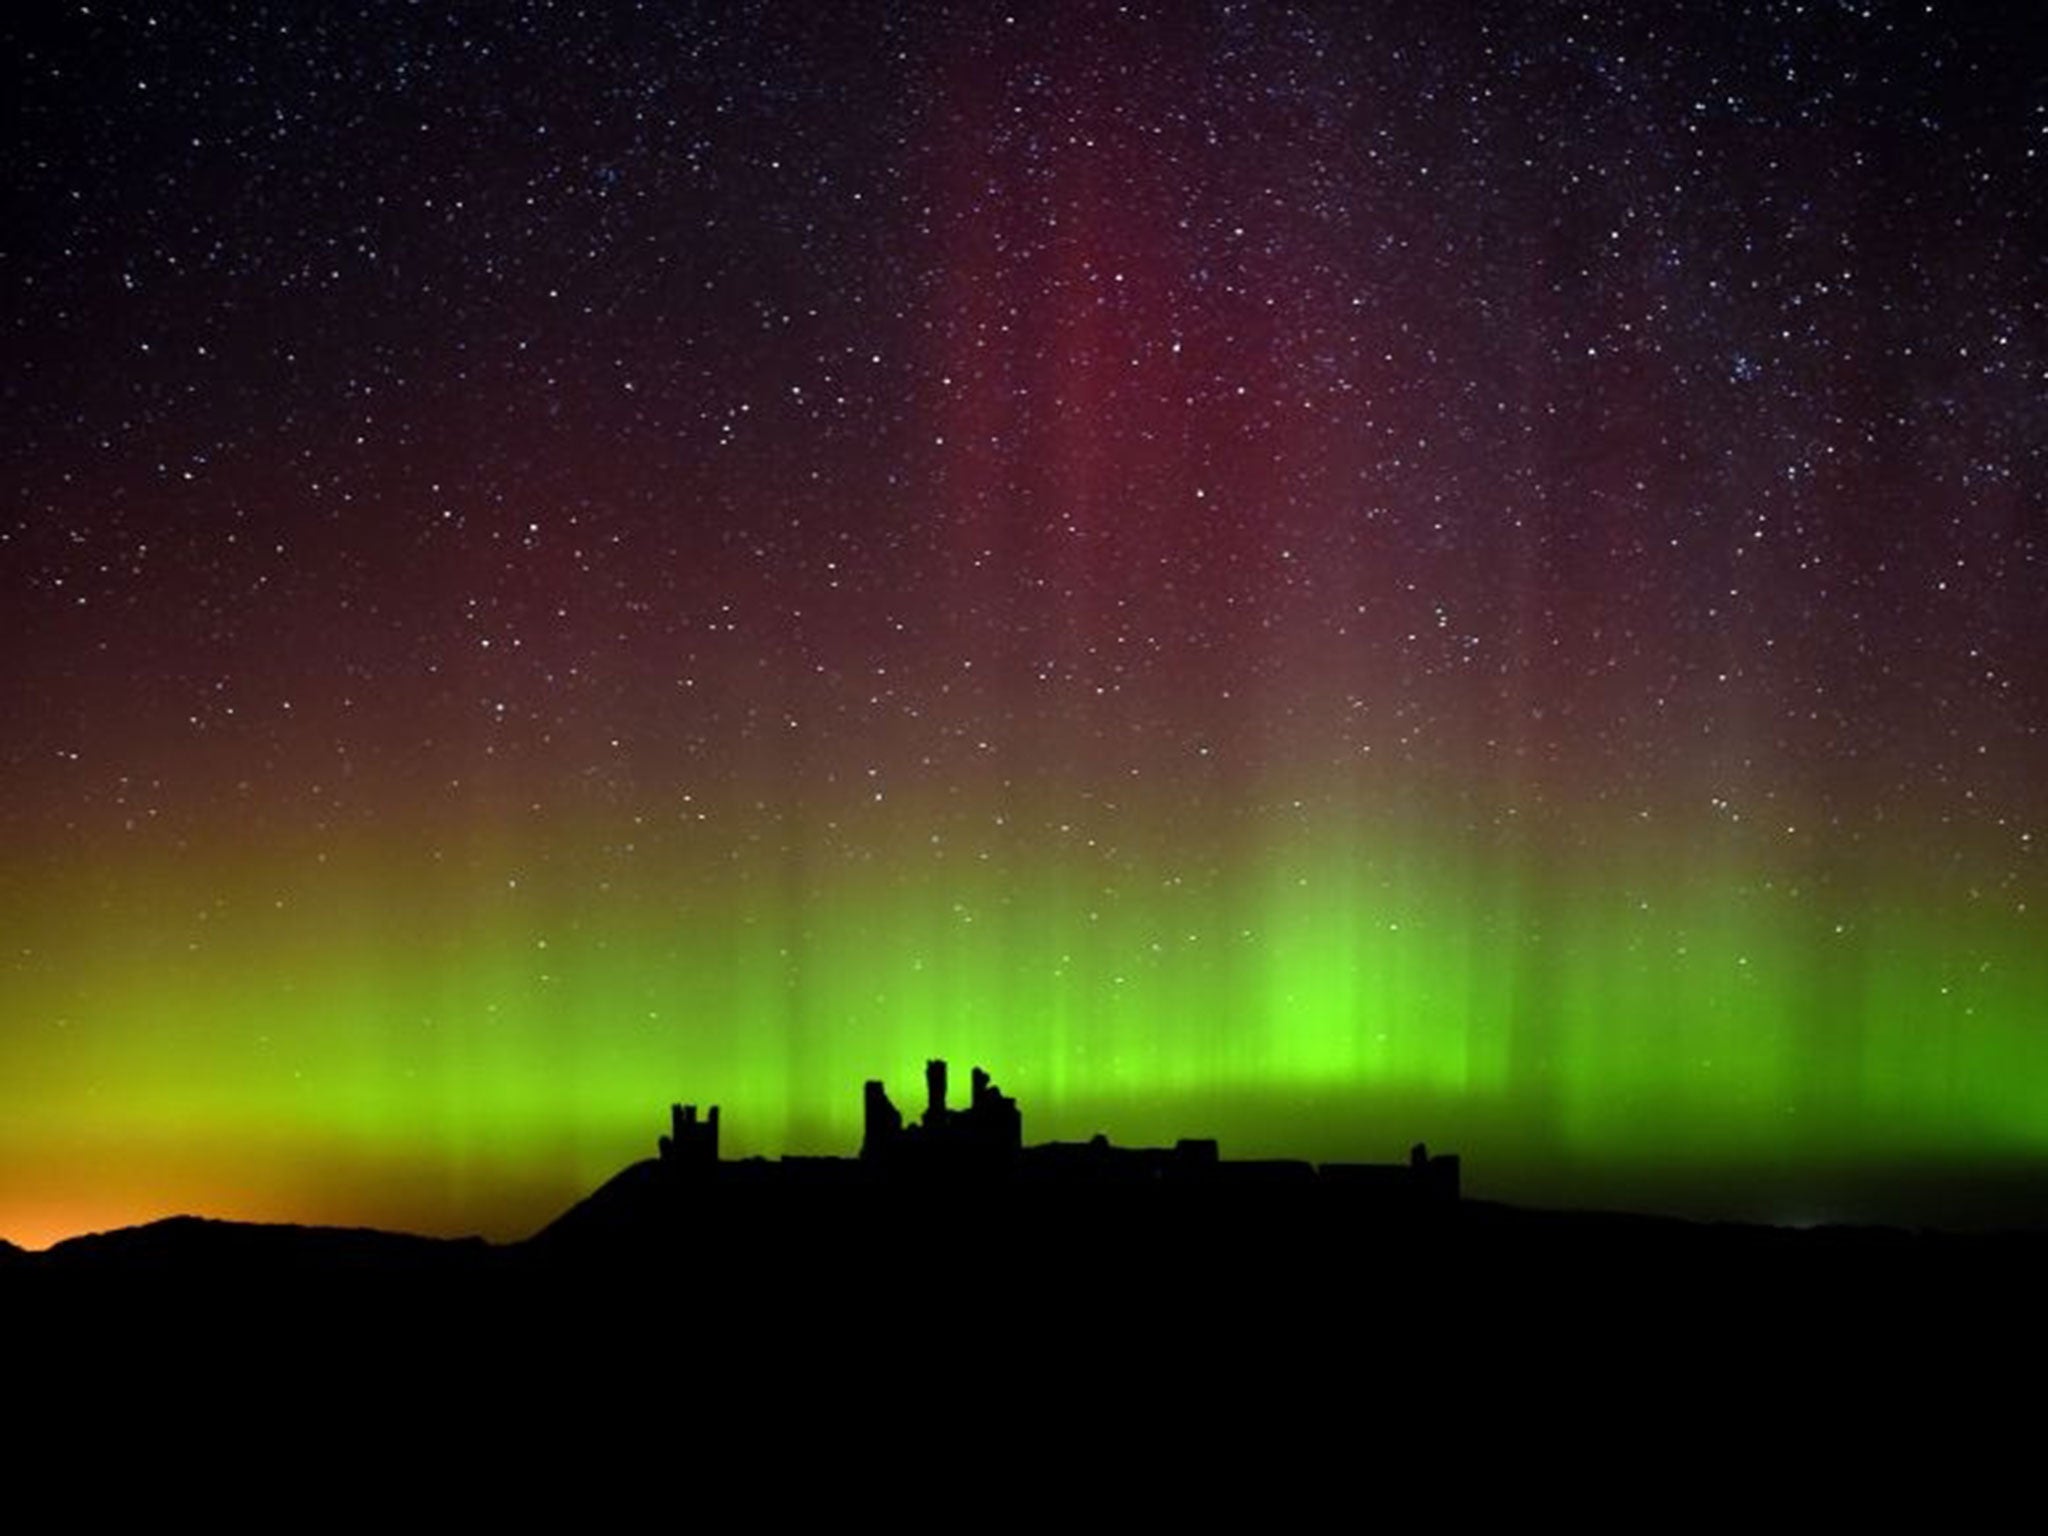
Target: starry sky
[{"x": 1316, "y": 574}]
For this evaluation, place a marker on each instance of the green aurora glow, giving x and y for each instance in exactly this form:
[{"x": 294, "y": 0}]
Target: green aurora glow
[{"x": 1333, "y": 997}]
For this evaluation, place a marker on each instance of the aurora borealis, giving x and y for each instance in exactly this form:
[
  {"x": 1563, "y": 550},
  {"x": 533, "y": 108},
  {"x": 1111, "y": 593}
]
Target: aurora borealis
[{"x": 1321, "y": 575}]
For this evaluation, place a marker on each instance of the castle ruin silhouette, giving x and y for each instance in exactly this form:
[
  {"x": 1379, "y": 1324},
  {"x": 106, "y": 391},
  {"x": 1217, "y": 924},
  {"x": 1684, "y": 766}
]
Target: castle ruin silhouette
[{"x": 984, "y": 1142}]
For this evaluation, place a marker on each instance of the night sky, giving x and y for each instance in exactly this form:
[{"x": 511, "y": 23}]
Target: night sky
[{"x": 1322, "y": 575}]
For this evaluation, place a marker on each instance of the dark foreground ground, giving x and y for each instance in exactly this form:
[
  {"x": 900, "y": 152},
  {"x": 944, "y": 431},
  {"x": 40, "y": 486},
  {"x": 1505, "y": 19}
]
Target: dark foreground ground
[
  {"x": 970, "y": 1359},
  {"x": 1147, "y": 1313}
]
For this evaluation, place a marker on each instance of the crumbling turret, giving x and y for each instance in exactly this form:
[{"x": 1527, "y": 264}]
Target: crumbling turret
[{"x": 691, "y": 1142}]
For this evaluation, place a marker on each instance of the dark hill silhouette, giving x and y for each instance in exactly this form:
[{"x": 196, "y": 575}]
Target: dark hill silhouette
[
  {"x": 953, "y": 1221},
  {"x": 192, "y": 1243},
  {"x": 1172, "y": 1266}
]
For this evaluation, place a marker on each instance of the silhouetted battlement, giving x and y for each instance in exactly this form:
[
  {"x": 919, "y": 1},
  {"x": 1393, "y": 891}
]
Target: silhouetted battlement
[
  {"x": 985, "y": 1141},
  {"x": 988, "y": 1132},
  {"x": 1098, "y": 1161},
  {"x": 690, "y": 1141}
]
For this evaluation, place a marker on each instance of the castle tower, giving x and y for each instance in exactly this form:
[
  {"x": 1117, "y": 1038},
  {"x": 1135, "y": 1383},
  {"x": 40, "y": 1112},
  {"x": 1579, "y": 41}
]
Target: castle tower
[
  {"x": 882, "y": 1122},
  {"x": 691, "y": 1142}
]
